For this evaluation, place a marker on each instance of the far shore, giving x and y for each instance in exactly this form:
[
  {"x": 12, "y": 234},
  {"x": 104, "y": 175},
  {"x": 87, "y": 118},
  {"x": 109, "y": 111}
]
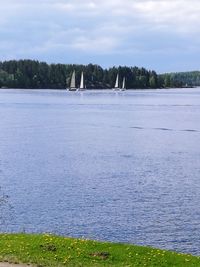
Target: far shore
[{"x": 103, "y": 89}]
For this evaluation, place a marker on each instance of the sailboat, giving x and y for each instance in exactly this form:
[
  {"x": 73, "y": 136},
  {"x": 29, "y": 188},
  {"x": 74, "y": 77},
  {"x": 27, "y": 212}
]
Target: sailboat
[
  {"x": 117, "y": 83},
  {"x": 124, "y": 84},
  {"x": 82, "y": 86},
  {"x": 73, "y": 82}
]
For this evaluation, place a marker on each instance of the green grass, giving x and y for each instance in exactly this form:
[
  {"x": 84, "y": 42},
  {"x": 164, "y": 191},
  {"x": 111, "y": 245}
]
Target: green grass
[{"x": 48, "y": 250}]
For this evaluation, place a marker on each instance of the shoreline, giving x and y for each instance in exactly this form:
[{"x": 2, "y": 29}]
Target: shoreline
[
  {"x": 102, "y": 89},
  {"x": 50, "y": 250}
]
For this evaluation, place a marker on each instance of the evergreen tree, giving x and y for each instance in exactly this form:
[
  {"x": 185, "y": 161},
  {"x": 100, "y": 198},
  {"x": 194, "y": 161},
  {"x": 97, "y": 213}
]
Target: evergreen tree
[{"x": 35, "y": 74}]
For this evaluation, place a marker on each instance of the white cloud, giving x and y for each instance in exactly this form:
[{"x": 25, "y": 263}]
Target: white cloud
[
  {"x": 99, "y": 44},
  {"x": 53, "y": 28},
  {"x": 177, "y": 15}
]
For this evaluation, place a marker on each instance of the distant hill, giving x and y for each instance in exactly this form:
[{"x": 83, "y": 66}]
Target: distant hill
[
  {"x": 35, "y": 74},
  {"x": 181, "y": 79}
]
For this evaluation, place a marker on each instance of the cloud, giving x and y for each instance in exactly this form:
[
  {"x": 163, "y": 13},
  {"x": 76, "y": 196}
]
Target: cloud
[
  {"x": 110, "y": 31},
  {"x": 177, "y": 15}
]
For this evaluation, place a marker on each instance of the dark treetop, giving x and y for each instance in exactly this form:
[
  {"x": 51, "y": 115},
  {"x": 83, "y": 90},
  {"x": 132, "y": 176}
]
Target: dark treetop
[{"x": 35, "y": 74}]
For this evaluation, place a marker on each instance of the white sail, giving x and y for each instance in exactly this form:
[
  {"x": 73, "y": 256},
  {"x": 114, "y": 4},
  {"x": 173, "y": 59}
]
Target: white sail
[
  {"x": 82, "y": 82},
  {"x": 117, "y": 82},
  {"x": 124, "y": 84},
  {"x": 73, "y": 81}
]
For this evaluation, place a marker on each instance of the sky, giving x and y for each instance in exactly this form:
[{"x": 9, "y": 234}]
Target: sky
[{"x": 163, "y": 35}]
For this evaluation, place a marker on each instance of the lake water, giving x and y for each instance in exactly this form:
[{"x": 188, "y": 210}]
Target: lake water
[{"x": 111, "y": 166}]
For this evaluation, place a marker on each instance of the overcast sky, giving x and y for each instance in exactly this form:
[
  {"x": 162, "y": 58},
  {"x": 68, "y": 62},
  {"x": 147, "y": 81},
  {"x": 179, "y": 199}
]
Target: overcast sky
[{"x": 157, "y": 34}]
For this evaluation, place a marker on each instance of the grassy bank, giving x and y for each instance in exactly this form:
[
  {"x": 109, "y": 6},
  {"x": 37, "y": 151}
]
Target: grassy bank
[{"x": 48, "y": 250}]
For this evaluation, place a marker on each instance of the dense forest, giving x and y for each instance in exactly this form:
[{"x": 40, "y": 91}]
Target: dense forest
[
  {"x": 35, "y": 74},
  {"x": 181, "y": 79}
]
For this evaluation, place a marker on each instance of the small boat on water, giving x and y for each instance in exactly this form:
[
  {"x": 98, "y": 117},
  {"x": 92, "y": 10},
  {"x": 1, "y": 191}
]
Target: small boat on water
[
  {"x": 117, "y": 88},
  {"x": 82, "y": 83},
  {"x": 124, "y": 84},
  {"x": 73, "y": 83},
  {"x": 72, "y": 86}
]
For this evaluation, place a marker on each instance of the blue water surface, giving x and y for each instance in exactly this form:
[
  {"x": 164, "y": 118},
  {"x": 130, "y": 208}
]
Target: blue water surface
[{"x": 103, "y": 165}]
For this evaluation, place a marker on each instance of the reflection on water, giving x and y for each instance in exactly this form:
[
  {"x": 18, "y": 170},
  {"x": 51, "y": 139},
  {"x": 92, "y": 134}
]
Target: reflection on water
[{"x": 104, "y": 165}]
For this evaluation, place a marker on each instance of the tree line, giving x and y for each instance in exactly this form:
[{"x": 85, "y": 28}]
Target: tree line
[
  {"x": 34, "y": 74},
  {"x": 181, "y": 79}
]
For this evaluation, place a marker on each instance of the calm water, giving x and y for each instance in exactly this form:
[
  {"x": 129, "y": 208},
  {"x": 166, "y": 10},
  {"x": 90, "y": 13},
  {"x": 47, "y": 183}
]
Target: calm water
[{"x": 121, "y": 167}]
